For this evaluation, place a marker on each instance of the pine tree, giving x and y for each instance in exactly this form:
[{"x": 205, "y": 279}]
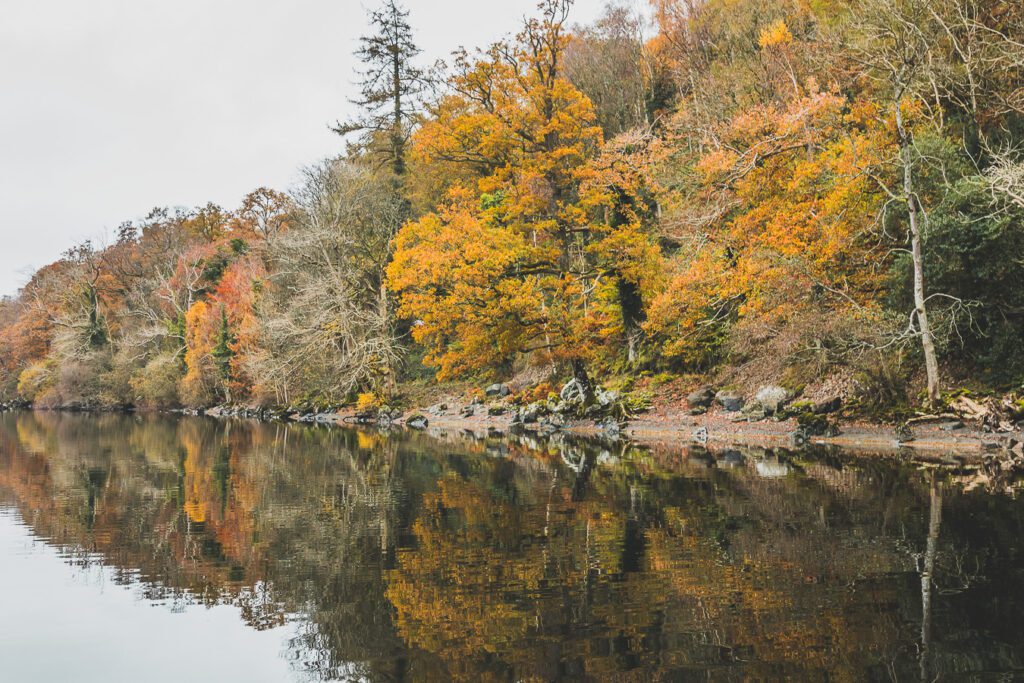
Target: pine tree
[{"x": 390, "y": 86}]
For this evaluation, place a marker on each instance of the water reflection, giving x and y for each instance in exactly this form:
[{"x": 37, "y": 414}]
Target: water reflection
[{"x": 404, "y": 557}]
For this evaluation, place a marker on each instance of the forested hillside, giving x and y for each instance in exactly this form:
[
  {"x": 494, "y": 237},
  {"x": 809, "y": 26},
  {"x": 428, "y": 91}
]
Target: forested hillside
[{"x": 807, "y": 192}]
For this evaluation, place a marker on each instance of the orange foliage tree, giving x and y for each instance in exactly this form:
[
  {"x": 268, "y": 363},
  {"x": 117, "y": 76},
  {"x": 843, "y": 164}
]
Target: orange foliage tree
[
  {"x": 793, "y": 210},
  {"x": 508, "y": 265}
]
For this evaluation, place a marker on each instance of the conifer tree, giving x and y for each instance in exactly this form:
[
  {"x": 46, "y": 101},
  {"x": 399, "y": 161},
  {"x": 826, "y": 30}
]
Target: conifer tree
[{"x": 390, "y": 86}]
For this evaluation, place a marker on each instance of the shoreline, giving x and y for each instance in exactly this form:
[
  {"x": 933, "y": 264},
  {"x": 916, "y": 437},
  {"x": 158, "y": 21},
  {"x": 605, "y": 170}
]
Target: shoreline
[
  {"x": 663, "y": 427},
  {"x": 678, "y": 430}
]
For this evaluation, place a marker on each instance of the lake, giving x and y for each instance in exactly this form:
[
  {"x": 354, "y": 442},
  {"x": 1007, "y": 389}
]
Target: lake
[{"x": 152, "y": 548}]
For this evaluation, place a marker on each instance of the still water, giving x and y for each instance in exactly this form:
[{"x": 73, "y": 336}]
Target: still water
[{"x": 160, "y": 549}]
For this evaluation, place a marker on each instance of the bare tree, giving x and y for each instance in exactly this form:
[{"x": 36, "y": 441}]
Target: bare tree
[
  {"x": 893, "y": 45},
  {"x": 606, "y": 61},
  {"x": 327, "y": 321},
  {"x": 1006, "y": 178}
]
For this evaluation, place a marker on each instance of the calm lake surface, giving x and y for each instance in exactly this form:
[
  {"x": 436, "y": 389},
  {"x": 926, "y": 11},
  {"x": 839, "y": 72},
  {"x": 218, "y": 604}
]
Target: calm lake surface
[{"x": 158, "y": 549}]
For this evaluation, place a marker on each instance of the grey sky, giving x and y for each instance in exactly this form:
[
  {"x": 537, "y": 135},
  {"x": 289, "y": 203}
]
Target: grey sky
[{"x": 111, "y": 107}]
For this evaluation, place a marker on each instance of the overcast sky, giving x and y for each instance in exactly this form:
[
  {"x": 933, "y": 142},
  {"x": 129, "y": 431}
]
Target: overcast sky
[{"x": 111, "y": 107}]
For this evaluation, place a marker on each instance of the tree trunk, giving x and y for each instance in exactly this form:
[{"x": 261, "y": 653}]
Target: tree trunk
[
  {"x": 397, "y": 141},
  {"x": 920, "y": 308},
  {"x": 384, "y": 312},
  {"x": 632, "y": 308},
  {"x": 579, "y": 373}
]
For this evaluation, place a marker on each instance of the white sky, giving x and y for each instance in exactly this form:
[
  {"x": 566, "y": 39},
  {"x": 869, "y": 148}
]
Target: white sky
[{"x": 111, "y": 107}]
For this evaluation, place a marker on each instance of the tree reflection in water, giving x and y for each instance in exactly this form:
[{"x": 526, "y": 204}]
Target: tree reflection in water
[{"x": 402, "y": 556}]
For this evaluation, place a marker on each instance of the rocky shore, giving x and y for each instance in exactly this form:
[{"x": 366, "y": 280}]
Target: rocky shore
[{"x": 976, "y": 433}]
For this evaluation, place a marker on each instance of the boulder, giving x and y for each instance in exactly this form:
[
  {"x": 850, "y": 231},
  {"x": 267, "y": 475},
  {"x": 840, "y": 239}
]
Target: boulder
[
  {"x": 729, "y": 400},
  {"x": 417, "y": 421},
  {"x": 826, "y": 406},
  {"x": 572, "y": 392},
  {"x": 497, "y": 390},
  {"x": 530, "y": 414},
  {"x": 468, "y": 411},
  {"x": 773, "y": 398},
  {"x": 702, "y": 398},
  {"x": 548, "y": 428},
  {"x": 563, "y": 407},
  {"x": 438, "y": 409},
  {"x": 752, "y": 412},
  {"x": 552, "y": 423},
  {"x": 495, "y": 410},
  {"x": 816, "y": 425}
]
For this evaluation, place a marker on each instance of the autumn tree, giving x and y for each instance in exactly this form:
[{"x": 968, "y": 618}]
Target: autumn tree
[
  {"x": 265, "y": 213},
  {"x": 507, "y": 266}
]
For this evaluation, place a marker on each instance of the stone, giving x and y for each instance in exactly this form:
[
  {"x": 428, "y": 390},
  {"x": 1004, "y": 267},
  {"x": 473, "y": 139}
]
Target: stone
[
  {"x": 606, "y": 397},
  {"x": 700, "y": 435},
  {"x": 755, "y": 412},
  {"x": 571, "y": 392},
  {"x": 702, "y": 398},
  {"x": 773, "y": 398},
  {"x": 697, "y": 411},
  {"x": 563, "y": 407},
  {"x": 826, "y": 406},
  {"x": 729, "y": 400},
  {"x": 530, "y": 414},
  {"x": 495, "y": 410},
  {"x": 499, "y": 390},
  {"x": 951, "y": 426},
  {"x": 816, "y": 425},
  {"x": 417, "y": 421},
  {"x": 551, "y": 424},
  {"x": 468, "y": 411}
]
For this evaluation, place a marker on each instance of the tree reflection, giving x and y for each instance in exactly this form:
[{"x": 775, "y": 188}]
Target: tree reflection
[{"x": 403, "y": 556}]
